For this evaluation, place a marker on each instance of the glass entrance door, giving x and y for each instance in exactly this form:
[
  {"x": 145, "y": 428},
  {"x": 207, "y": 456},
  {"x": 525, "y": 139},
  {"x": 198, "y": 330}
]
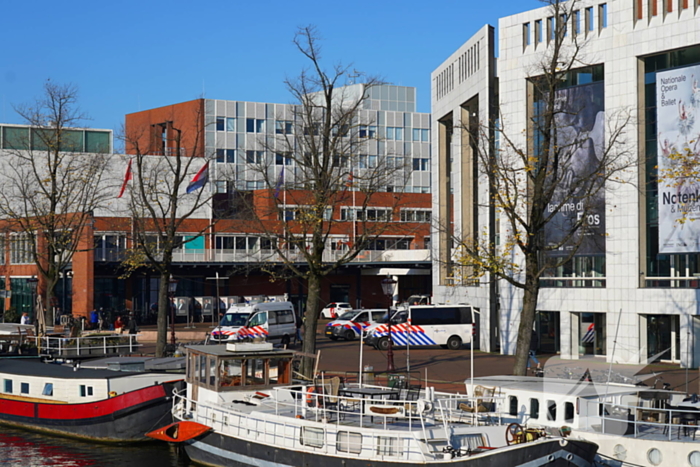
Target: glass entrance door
[
  {"x": 663, "y": 337},
  {"x": 592, "y": 340}
]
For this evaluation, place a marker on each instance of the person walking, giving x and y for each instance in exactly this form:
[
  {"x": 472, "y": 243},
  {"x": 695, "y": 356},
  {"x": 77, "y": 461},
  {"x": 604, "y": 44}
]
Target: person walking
[
  {"x": 297, "y": 336},
  {"x": 25, "y": 319}
]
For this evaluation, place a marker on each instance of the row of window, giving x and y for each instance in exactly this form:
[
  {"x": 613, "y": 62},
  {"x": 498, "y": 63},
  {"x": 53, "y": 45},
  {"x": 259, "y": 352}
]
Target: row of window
[
  {"x": 364, "y": 161},
  {"x": 551, "y": 409},
  {"x": 351, "y": 442},
  {"x": 8, "y": 388},
  {"x": 286, "y": 127},
  {"x": 580, "y": 22}
]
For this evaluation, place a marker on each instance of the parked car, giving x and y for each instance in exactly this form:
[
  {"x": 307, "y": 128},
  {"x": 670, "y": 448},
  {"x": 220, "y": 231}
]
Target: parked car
[
  {"x": 335, "y": 309},
  {"x": 351, "y": 323}
]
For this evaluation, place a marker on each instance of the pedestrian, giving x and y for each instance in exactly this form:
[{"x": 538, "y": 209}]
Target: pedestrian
[
  {"x": 25, "y": 319},
  {"x": 297, "y": 337},
  {"x": 132, "y": 327},
  {"x": 100, "y": 319},
  {"x": 118, "y": 324},
  {"x": 94, "y": 319}
]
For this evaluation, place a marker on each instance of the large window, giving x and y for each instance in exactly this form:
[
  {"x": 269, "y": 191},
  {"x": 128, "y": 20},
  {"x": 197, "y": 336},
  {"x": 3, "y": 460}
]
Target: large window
[
  {"x": 683, "y": 267},
  {"x": 581, "y": 94},
  {"x": 21, "y": 249},
  {"x": 255, "y": 125},
  {"x": 284, "y": 127}
]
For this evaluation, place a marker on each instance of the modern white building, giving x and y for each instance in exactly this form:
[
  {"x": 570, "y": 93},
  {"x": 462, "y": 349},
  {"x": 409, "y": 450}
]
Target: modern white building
[{"x": 635, "y": 299}]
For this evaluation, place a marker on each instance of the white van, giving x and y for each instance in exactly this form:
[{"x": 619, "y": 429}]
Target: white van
[
  {"x": 449, "y": 326},
  {"x": 272, "y": 321},
  {"x": 351, "y": 323}
]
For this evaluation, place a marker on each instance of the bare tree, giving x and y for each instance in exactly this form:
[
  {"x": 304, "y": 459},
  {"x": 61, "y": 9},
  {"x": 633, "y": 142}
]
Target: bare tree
[
  {"x": 323, "y": 203},
  {"x": 160, "y": 206},
  {"x": 51, "y": 186},
  {"x": 549, "y": 187}
]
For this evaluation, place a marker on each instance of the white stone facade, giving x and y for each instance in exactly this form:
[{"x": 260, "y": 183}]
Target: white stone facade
[{"x": 620, "y": 38}]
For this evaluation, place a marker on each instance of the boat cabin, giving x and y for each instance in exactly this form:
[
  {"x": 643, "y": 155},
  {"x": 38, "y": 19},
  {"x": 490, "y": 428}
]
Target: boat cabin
[{"x": 235, "y": 367}]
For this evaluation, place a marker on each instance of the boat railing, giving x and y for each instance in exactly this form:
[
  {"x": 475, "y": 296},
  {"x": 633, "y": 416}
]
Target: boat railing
[
  {"x": 289, "y": 429},
  {"x": 640, "y": 421},
  {"x": 89, "y": 345}
]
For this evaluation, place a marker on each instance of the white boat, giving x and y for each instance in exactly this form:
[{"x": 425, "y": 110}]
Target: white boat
[
  {"x": 240, "y": 407},
  {"x": 632, "y": 425}
]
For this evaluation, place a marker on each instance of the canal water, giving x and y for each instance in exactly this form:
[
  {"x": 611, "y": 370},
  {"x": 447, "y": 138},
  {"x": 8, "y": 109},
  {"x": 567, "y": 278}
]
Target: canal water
[{"x": 25, "y": 449}]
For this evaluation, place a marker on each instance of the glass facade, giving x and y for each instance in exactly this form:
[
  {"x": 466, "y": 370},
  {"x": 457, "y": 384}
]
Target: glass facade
[
  {"x": 582, "y": 92},
  {"x": 683, "y": 268}
]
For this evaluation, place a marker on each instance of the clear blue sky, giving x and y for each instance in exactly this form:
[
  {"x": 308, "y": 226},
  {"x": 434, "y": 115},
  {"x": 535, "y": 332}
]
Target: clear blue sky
[{"x": 129, "y": 56}]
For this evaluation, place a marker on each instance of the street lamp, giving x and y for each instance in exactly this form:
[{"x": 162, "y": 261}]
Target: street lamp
[
  {"x": 389, "y": 288},
  {"x": 172, "y": 288}
]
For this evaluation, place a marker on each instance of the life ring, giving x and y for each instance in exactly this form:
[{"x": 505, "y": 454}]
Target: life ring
[
  {"x": 310, "y": 398},
  {"x": 425, "y": 406}
]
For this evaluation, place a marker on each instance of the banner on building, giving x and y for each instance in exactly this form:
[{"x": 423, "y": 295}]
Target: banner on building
[
  {"x": 678, "y": 127},
  {"x": 580, "y": 127}
]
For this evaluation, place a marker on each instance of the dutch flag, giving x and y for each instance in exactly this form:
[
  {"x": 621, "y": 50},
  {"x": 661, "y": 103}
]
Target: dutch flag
[{"x": 200, "y": 179}]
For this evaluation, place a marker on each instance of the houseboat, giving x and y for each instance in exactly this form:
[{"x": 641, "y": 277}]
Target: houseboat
[
  {"x": 99, "y": 405},
  {"x": 241, "y": 407},
  {"x": 632, "y": 425}
]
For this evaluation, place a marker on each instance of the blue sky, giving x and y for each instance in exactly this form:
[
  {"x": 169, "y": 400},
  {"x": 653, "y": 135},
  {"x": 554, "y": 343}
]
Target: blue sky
[{"x": 129, "y": 56}]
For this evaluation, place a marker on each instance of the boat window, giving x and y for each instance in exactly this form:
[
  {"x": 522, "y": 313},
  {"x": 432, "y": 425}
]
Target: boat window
[
  {"x": 389, "y": 446},
  {"x": 311, "y": 437},
  {"x": 255, "y": 372},
  {"x": 568, "y": 412},
  {"x": 48, "y": 390},
  {"x": 230, "y": 373},
  {"x": 551, "y": 410},
  {"x": 200, "y": 375},
  {"x": 8, "y": 386},
  {"x": 513, "y": 405},
  {"x": 348, "y": 441},
  {"x": 279, "y": 371},
  {"x": 24, "y": 388},
  {"x": 470, "y": 441},
  {"x": 534, "y": 408},
  {"x": 212, "y": 370},
  {"x": 85, "y": 391}
]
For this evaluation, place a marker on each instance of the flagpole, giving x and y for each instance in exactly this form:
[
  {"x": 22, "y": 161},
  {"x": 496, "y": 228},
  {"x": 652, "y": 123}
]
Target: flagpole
[{"x": 354, "y": 214}]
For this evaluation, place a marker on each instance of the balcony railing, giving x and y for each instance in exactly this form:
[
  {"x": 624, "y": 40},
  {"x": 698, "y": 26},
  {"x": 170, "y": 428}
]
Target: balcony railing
[{"x": 270, "y": 256}]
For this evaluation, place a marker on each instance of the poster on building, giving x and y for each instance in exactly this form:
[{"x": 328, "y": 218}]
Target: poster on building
[
  {"x": 580, "y": 127},
  {"x": 678, "y": 126}
]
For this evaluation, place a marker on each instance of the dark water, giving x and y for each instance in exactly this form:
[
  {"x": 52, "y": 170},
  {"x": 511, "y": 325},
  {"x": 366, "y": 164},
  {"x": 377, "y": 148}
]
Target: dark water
[{"x": 25, "y": 449}]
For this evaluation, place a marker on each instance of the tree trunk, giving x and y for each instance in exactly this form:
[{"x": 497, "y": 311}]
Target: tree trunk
[
  {"x": 310, "y": 323},
  {"x": 164, "y": 306},
  {"x": 527, "y": 315}
]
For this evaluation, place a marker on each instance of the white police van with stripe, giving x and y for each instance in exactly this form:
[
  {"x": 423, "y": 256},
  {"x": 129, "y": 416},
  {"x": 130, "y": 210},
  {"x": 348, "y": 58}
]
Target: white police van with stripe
[
  {"x": 449, "y": 326},
  {"x": 270, "y": 321}
]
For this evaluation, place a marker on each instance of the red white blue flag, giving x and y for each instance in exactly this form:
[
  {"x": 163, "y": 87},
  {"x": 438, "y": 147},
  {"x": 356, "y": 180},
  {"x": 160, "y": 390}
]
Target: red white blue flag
[{"x": 200, "y": 179}]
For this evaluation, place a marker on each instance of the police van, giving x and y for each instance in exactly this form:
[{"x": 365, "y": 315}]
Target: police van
[
  {"x": 273, "y": 321},
  {"x": 449, "y": 326},
  {"x": 351, "y": 323}
]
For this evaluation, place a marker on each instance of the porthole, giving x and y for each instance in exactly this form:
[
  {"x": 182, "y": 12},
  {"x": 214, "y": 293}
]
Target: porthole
[
  {"x": 654, "y": 456},
  {"x": 694, "y": 459},
  {"x": 620, "y": 452}
]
